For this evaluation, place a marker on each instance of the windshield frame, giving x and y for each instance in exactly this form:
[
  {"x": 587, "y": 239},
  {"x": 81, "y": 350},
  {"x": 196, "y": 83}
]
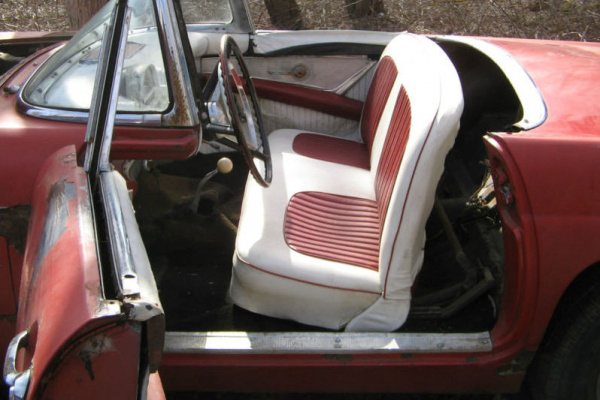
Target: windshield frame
[{"x": 182, "y": 111}]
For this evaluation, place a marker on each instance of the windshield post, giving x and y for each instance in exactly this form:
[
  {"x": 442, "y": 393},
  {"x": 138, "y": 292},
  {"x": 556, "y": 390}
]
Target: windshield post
[{"x": 100, "y": 126}]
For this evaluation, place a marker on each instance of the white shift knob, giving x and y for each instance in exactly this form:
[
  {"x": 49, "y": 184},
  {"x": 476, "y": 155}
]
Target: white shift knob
[{"x": 224, "y": 165}]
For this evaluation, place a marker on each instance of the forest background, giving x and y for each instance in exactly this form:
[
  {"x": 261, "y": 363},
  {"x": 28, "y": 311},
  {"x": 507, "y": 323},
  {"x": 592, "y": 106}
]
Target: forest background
[{"x": 541, "y": 19}]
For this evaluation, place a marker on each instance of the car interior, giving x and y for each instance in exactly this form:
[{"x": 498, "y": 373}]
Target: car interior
[{"x": 380, "y": 215}]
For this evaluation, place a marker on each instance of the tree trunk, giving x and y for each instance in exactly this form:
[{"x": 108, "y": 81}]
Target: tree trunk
[
  {"x": 364, "y": 8},
  {"x": 80, "y": 11},
  {"x": 284, "y": 14}
]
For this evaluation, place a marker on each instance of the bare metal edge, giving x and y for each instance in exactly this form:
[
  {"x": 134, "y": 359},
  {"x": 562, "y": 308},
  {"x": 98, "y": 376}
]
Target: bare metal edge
[
  {"x": 534, "y": 107},
  {"x": 325, "y": 342}
]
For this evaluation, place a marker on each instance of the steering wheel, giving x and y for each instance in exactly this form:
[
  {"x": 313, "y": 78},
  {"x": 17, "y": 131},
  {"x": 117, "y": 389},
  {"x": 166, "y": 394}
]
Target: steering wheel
[{"x": 246, "y": 118}]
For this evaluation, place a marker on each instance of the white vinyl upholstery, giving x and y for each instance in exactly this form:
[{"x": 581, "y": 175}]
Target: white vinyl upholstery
[{"x": 271, "y": 278}]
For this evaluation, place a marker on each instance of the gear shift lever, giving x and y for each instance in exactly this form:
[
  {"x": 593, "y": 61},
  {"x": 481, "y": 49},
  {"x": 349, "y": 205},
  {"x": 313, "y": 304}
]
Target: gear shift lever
[{"x": 224, "y": 166}]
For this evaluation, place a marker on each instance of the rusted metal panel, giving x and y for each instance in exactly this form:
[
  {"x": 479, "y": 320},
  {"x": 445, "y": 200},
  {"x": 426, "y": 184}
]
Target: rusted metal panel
[
  {"x": 61, "y": 294},
  {"x": 102, "y": 366}
]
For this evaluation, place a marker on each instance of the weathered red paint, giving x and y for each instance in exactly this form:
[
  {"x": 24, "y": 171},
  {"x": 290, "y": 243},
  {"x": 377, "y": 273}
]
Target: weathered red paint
[
  {"x": 329, "y": 373},
  {"x": 564, "y": 198},
  {"x": 567, "y": 75},
  {"x": 61, "y": 300},
  {"x": 103, "y": 366}
]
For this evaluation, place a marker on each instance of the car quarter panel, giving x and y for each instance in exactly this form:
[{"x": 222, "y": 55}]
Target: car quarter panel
[
  {"x": 567, "y": 75},
  {"x": 563, "y": 193},
  {"x": 558, "y": 164}
]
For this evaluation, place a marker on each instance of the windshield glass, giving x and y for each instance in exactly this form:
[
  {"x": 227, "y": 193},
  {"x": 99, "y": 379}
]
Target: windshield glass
[{"x": 66, "y": 80}]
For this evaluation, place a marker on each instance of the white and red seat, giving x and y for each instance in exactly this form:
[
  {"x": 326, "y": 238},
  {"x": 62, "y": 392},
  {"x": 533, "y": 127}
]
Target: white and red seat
[{"x": 337, "y": 240}]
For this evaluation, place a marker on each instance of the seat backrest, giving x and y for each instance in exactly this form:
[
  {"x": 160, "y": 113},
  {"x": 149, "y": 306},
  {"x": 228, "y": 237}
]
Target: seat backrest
[
  {"x": 416, "y": 130},
  {"x": 377, "y": 97},
  {"x": 409, "y": 124}
]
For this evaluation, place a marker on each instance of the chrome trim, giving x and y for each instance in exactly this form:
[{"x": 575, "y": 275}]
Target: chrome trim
[
  {"x": 106, "y": 143},
  {"x": 122, "y": 259},
  {"x": 81, "y": 117},
  {"x": 130, "y": 260},
  {"x": 105, "y": 95},
  {"x": 242, "y": 16},
  {"x": 535, "y": 111},
  {"x": 184, "y": 111},
  {"x": 131, "y": 265},
  {"x": 325, "y": 342},
  {"x": 17, "y": 381}
]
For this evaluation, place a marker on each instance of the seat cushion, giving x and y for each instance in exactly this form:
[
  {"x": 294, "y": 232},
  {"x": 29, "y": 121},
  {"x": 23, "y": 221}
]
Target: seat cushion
[
  {"x": 333, "y": 227},
  {"x": 324, "y": 291}
]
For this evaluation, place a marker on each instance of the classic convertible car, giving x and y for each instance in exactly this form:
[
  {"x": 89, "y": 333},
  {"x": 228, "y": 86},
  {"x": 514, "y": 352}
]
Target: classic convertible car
[{"x": 192, "y": 205}]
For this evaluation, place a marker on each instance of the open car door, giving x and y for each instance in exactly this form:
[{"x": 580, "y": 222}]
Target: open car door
[{"x": 90, "y": 322}]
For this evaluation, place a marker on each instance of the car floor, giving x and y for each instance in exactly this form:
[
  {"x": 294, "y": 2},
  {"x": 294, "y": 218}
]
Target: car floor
[{"x": 191, "y": 254}]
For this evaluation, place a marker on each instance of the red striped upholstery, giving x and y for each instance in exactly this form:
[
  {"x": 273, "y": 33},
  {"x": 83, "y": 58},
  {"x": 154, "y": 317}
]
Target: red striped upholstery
[
  {"x": 392, "y": 153},
  {"x": 379, "y": 91},
  {"x": 348, "y": 229},
  {"x": 333, "y": 227}
]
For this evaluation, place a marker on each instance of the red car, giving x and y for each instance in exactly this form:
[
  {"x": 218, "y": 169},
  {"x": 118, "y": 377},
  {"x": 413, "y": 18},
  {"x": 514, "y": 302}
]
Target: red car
[{"x": 192, "y": 205}]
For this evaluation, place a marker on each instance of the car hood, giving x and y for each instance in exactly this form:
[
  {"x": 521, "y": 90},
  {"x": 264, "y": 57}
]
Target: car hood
[{"x": 567, "y": 75}]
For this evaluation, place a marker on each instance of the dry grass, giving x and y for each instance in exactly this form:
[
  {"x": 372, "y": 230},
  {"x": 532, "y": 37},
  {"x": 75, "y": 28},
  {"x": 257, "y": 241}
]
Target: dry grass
[{"x": 543, "y": 19}]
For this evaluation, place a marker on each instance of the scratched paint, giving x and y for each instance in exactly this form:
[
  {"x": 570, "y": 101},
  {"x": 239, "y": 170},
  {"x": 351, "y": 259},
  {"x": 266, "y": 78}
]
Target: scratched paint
[{"x": 55, "y": 223}]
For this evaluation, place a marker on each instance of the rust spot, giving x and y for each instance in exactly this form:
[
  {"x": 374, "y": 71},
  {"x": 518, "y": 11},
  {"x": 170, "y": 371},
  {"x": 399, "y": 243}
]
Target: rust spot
[
  {"x": 92, "y": 349},
  {"x": 68, "y": 158}
]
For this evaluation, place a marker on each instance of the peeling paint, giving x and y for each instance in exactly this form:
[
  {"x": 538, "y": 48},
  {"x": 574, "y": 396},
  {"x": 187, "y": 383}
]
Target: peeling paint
[
  {"x": 57, "y": 213},
  {"x": 69, "y": 159},
  {"x": 92, "y": 349}
]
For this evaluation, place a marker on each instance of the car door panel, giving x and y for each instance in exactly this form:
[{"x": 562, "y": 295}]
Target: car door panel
[
  {"x": 61, "y": 296},
  {"x": 313, "y": 93}
]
